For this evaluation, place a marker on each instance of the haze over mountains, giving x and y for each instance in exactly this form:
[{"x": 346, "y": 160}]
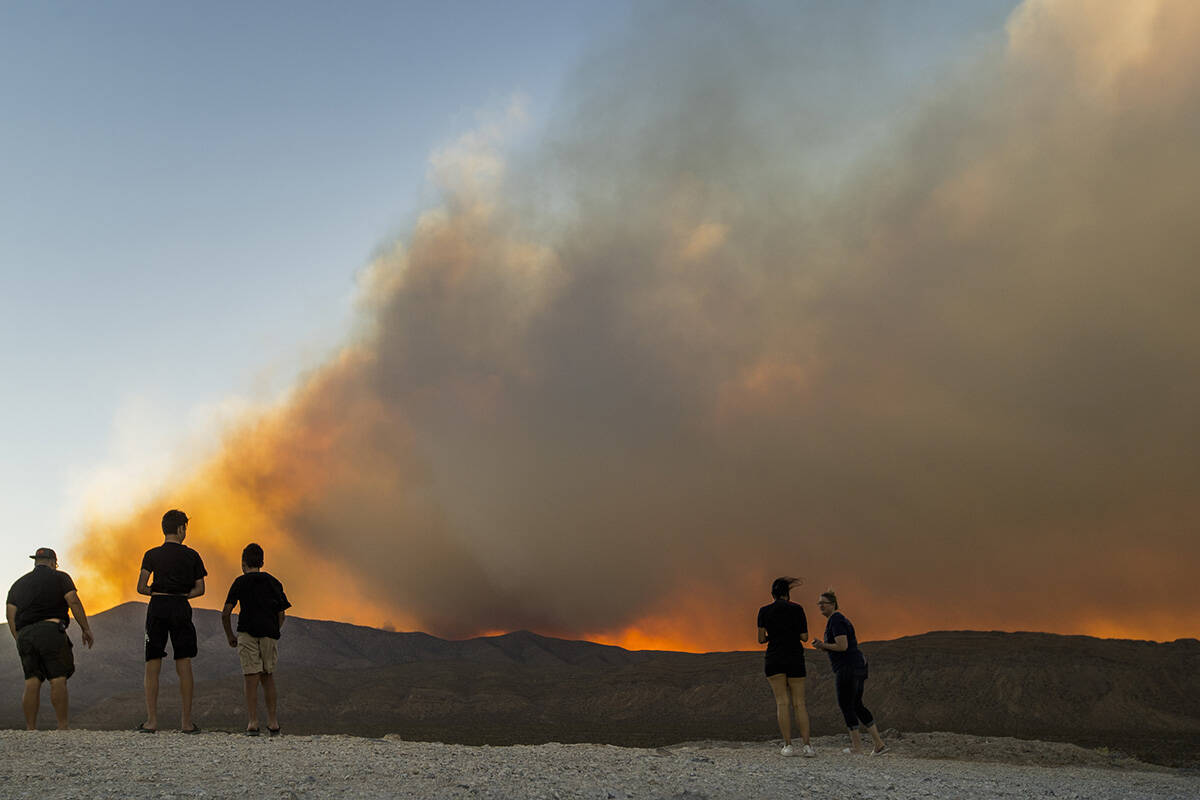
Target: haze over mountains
[{"x": 1139, "y": 697}]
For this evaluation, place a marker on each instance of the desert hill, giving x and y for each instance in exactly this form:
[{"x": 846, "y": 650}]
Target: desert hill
[{"x": 1142, "y": 698}]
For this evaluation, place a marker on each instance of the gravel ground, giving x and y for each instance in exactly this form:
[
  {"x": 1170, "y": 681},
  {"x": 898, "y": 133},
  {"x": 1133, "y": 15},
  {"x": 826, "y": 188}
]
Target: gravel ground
[{"x": 106, "y": 764}]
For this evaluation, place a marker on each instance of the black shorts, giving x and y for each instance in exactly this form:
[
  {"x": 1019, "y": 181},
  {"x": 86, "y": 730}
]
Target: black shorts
[
  {"x": 168, "y": 615},
  {"x": 45, "y": 651},
  {"x": 790, "y": 665}
]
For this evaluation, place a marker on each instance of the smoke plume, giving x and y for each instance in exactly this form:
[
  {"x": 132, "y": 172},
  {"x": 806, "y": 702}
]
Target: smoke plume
[{"x": 695, "y": 337}]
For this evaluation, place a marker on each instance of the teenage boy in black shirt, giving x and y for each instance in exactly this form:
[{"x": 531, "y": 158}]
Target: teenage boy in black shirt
[
  {"x": 263, "y": 603},
  {"x": 37, "y": 618},
  {"x": 178, "y": 576}
]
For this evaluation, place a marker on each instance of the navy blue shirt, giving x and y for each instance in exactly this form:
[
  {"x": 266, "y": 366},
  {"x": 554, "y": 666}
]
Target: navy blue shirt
[
  {"x": 852, "y": 657},
  {"x": 785, "y": 623}
]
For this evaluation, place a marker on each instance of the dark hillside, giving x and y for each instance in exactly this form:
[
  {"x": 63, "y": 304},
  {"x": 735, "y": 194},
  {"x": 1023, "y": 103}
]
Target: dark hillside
[{"x": 1139, "y": 697}]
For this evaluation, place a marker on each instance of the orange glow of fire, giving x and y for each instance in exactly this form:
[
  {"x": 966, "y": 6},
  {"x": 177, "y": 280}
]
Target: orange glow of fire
[
  {"x": 272, "y": 464},
  {"x": 266, "y": 468}
]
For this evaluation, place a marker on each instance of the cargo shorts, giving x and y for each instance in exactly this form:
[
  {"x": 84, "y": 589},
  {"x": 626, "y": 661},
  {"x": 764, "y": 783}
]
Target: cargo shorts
[
  {"x": 257, "y": 653},
  {"x": 45, "y": 650}
]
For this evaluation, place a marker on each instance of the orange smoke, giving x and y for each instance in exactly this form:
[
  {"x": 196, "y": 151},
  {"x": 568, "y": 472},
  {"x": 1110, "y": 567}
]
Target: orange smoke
[
  {"x": 616, "y": 393},
  {"x": 246, "y": 493}
]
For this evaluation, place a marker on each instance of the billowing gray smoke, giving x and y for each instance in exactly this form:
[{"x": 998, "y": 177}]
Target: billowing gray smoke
[{"x": 713, "y": 328}]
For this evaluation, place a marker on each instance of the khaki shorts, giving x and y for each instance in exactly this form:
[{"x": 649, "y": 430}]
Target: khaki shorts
[{"x": 257, "y": 653}]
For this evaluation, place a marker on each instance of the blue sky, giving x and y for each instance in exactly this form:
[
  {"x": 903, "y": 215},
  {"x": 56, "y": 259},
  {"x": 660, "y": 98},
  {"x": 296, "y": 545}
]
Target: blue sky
[{"x": 187, "y": 192}]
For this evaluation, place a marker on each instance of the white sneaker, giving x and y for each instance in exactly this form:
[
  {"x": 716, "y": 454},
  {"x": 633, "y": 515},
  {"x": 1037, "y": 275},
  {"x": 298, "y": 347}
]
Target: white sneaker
[
  {"x": 787, "y": 751},
  {"x": 808, "y": 751}
]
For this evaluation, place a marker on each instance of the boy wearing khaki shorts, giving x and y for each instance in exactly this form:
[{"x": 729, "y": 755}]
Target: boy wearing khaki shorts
[{"x": 261, "y": 616}]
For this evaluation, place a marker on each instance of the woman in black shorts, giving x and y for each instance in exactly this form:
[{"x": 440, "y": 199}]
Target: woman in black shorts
[
  {"x": 783, "y": 627},
  {"x": 849, "y": 671}
]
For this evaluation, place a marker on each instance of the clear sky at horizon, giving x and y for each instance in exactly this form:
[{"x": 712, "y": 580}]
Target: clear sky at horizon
[{"x": 190, "y": 190}]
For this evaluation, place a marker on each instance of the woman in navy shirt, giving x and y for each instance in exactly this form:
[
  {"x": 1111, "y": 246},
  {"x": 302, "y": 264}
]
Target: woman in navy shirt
[
  {"x": 783, "y": 627},
  {"x": 850, "y": 671}
]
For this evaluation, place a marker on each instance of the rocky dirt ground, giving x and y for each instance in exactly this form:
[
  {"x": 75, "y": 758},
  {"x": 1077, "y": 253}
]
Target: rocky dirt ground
[{"x": 105, "y": 764}]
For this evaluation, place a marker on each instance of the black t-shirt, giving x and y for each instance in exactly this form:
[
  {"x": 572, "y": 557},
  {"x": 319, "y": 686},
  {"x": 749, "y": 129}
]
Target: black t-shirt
[
  {"x": 836, "y": 626},
  {"x": 262, "y": 598},
  {"x": 175, "y": 566},
  {"x": 40, "y": 594},
  {"x": 785, "y": 623}
]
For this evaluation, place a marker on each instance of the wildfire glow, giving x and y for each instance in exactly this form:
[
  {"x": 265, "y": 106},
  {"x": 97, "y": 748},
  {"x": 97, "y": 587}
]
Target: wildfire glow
[{"x": 612, "y": 391}]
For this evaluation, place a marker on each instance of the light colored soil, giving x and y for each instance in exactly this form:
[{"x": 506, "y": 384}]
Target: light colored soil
[{"x": 105, "y": 764}]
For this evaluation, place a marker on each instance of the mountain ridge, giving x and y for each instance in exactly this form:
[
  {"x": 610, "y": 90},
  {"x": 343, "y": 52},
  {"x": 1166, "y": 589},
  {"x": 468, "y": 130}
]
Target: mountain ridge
[{"x": 521, "y": 687}]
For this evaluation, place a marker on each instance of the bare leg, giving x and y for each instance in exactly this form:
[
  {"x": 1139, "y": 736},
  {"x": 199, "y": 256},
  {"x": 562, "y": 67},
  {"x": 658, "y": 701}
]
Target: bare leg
[
  {"x": 30, "y": 700},
  {"x": 268, "y": 684},
  {"x": 875, "y": 737},
  {"x": 183, "y": 668},
  {"x": 855, "y": 742},
  {"x": 251, "y": 701},
  {"x": 783, "y": 714},
  {"x": 152, "y": 668},
  {"x": 799, "y": 708},
  {"x": 58, "y": 699}
]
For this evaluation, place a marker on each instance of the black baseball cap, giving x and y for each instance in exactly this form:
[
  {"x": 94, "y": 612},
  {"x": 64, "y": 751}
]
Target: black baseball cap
[{"x": 45, "y": 552}]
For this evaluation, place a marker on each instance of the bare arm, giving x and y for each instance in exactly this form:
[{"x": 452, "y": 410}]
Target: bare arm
[
  {"x": 76, "y": 606},
  {"x": 762, "y": 635},
  {"x": 12, "y": 619},
  {"x": 197, "y": 589},
  {"x": 226, "y": 614},
  {"x": 144, "y": 582},
  {"x": 282, "y": 617},
  {"x": 839, "y": 644}
]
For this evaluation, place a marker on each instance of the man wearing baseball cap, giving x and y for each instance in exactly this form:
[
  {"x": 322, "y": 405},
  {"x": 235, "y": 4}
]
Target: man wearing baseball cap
[{"x": 37, "y": 618}]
